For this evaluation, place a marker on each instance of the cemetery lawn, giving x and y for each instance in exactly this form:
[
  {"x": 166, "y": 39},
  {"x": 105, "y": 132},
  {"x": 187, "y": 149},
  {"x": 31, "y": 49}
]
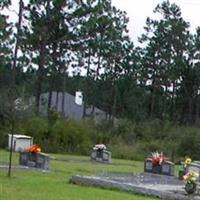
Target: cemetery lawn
[{"x": 54, "y": 185}]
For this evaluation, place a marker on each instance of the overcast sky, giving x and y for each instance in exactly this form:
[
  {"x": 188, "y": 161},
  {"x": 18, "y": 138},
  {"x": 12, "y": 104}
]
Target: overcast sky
[{"x": 139, "y": 10}]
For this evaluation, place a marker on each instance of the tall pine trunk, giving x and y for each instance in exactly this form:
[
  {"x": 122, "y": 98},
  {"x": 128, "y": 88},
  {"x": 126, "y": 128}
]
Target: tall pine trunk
[
  {"x": 40, "y": 74},
  {"x": 63, "y": 92},
  {"x": 87, "y": 84}
]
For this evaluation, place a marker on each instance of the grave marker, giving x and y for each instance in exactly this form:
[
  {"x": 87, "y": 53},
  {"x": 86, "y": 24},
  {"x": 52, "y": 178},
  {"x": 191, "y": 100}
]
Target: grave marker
[
  {"x": 158, "y": 164},
  {"x": 100, "y": 154}
]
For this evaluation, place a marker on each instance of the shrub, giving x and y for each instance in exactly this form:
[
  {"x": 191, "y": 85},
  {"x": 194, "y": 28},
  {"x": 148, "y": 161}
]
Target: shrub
[
  {"x": 3, "y": 137},
  {"x": 190, "y": 143},
  {"x": 125, "y": 130},
  {"x": 72, "y": 136},
  {"x": 154, "y": 129},
  {"x": 122, "y": 151},
  {"x": 36, "y": 127},
  {"x": 126, "y": 139}
]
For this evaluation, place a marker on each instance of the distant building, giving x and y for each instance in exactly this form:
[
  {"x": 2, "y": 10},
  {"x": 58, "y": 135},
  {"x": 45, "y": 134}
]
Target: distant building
[{"x": 66, "y": 105}]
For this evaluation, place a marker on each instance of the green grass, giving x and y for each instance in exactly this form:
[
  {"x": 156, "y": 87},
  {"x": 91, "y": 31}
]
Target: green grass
[{"x": 54, "y": 185}]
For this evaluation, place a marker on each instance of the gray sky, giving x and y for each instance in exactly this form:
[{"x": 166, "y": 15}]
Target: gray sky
[{"x": 139, "y": 10}]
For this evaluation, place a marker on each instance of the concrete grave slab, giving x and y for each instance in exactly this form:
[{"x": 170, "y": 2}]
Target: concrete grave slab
[{"x": 162, "y": 186}]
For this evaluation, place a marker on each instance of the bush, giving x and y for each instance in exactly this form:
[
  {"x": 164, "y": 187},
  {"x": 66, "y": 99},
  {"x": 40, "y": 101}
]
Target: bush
[
  {"x": 125, "y": 130},
  {"x": 126, "y": 139},
  {"x": 3, "y": 137},
  {"x": 123, "y": 151},
  {"x": 36, "y": 127},
  {"x": 72, "y": 136},
  {"x": 153, "y": 130},
  {"x": 190, "y": 143}
]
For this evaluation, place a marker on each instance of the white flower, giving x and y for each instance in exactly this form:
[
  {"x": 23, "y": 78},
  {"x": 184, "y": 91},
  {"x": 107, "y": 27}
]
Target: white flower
[{"x": 99, "y": 146}]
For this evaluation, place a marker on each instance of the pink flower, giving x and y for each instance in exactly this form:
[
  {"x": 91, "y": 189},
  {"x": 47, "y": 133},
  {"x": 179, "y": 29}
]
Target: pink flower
[{"x": 99, "y": 146}]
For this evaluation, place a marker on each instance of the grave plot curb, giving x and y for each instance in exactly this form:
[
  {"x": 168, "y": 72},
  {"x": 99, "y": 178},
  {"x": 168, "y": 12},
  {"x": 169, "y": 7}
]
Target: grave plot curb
[
  {"x": 21, "y": 167},
  {"x": 129, "y": 187}
]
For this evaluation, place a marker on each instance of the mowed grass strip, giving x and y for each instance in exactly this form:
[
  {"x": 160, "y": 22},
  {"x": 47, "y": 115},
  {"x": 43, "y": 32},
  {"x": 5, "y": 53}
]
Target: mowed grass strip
[{"x": 54, "y": 185}]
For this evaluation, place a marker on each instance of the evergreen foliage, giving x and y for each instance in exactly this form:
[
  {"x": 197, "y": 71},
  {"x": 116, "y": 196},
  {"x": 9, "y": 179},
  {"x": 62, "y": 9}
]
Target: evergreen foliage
[{"x": 153, "y": 90}]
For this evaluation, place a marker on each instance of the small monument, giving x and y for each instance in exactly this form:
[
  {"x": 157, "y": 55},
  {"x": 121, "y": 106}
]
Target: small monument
[
  {"x": 159, "y": 164},
  {"x": 100, "y": 154},
  {"x": 33, "y": 157}
]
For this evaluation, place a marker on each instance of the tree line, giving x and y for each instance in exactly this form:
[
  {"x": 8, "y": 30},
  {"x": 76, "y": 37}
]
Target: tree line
[{"x": 58, "y": 40}]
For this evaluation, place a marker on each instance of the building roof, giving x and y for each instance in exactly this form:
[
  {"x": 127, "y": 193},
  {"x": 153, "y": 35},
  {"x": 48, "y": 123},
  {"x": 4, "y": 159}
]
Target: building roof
[
  {"x": 65, "y": 103},
  {"x": 18, "y": 136}
]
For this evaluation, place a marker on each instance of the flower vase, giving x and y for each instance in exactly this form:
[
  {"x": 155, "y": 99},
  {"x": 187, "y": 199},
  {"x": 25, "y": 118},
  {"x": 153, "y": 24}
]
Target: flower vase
[{"x": 190, "y": 187}]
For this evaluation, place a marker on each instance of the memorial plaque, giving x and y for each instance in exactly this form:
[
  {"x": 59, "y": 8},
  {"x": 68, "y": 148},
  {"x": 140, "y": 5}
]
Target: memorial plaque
[
  {"x": 23, "y": 158},
  {"x": 31, "y": 164},
  {"x": 93, "y": 154},
  {"x": 157, "y": 169},
  {"x": 148, "y": 166},
  {"x": 105, "y": 156},
  {"x": 167, "y": 168}
]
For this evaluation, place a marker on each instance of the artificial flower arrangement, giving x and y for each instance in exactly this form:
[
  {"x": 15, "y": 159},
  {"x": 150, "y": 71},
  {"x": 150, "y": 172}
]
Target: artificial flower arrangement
[
  {"x": 187, "y": 161},
  {"x": 183, "y": 167},
  {"x": 157, "y": 158},
  {"x": 99, "y": 147},
  {"x": 190, "y": 178},
  {"x": 34, "y": 148}
]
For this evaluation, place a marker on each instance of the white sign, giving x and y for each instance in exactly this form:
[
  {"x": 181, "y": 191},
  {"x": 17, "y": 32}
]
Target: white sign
[{"x": 79, "y": 98}]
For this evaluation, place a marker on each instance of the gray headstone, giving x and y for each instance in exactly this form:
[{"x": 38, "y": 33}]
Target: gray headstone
[
  {"x": 107, "y": 156},
  {"x": 148, "y": 166},
  {"x": 194, "y": 166},
  {"x": 38, "y": 160},
  {"x": 168, "y": 168},
  {"x": 31, "y": 164},
  {"x": 101, "y": 156},
  {"x": 23, "y": 159},
  {"x": 93, "y": 155}
]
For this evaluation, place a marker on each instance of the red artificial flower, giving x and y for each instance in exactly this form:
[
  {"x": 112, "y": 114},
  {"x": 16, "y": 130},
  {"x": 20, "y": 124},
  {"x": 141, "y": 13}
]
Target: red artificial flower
[
  {"x": 34, "y": 148},
  {"x": 157, "y": 158}
]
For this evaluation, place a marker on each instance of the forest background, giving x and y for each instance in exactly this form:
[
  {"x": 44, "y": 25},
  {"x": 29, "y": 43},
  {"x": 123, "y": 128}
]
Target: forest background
[{"x": 152, "y": 90}]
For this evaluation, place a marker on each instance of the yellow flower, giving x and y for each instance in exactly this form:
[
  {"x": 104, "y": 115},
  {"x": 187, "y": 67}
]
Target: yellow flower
[{"x": 187, "y": 161}]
